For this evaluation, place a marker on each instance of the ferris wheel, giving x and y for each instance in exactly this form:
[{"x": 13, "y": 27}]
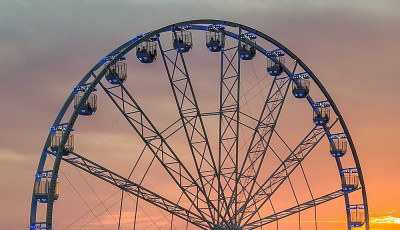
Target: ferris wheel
[{"x": 227, "y": 150}]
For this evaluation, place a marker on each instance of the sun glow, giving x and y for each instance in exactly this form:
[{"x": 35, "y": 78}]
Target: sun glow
[{"x": 385, "y": 220}]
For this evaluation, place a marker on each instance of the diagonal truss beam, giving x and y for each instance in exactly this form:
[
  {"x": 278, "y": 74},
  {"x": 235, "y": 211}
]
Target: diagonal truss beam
[
  {"x": 228, "y": 143},
  {"x": 193, "y": 124},
  {"x": 268, "y": 187},
  {"x": 260, "y": 139},
  {"x": 158, "y": 145},
  {"x": 295, "y": 209},
  {"x": 134, "y": 189}
]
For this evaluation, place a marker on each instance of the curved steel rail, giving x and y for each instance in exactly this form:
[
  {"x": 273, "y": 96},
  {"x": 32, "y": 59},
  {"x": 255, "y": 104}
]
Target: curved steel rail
[{"x": 118, "y": 53}]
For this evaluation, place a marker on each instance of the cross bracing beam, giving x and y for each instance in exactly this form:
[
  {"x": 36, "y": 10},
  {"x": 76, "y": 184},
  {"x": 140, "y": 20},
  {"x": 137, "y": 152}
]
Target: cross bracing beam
[
  {"x": 193, "y": 124},
  {"x": 242, "y": 122},
  {"x": 134, "y": 189},
  {"x": 194, "y": 23},
  {"x": 295, "y": 209},
  {"x": 228, "y": 134},
  {"x": 158, "y": 145},
  {"x": 261, "y": 137},
  {"x": 283, "y": 171}
]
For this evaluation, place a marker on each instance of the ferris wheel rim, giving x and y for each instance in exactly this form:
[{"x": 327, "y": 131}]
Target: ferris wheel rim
[{"x": 130, "y": 45}]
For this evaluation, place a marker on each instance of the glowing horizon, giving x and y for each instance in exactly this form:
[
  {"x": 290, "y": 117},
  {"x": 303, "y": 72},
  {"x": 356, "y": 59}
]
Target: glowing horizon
[{"x": 48, "y": 46}]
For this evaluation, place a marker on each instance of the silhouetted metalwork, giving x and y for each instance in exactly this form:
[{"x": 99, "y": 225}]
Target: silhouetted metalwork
[
  {"x": 134, "y": 189},
  {"x": 224, "y": 189}
]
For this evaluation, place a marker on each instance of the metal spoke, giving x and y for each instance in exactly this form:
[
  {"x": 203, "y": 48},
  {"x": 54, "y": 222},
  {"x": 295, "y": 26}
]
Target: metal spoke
[
  {"x": 90, "y": 209},
  {"x": 295, "y": 209},
  {"x": 228, "y": 143},
  {"x": 135, "y": 189},
  {"x": 304, "y": 175},
  {"x": 120, "y": 209},
  {"x": 219, "y": 194},
  {"x": 193, "y": 125},
  {"x": 159, "y": 147},
  {"x": 261, "y": 137},
  {"x": 268, "y": 187}
]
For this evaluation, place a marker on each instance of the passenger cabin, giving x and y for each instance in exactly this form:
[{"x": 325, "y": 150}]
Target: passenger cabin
[
  {"x": 41, "y": 187},
  {"x": 182, "y": 39},
  {"x": 321, "y": 113},
  {"x": 56, "y": 135},
  {"x": 247, "y": 49},
  {"x": 301, "y": 89},
  {"x": 117, "y": 73},
  {"x": 301, "y": 85},
  {"x": 146, "y": 52},
  {"x": 350, "y": 179},
  {"x": 89, "y": 106},
  {"x": 357, "y": 215},
  {"x": 275, "y": 66},
  {"x": 338, "y": 145},
  {"x": 215, "y": 39}
]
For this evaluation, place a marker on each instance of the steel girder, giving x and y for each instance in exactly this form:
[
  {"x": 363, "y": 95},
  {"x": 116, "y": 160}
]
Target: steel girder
[{"x": 135, "y": 189}]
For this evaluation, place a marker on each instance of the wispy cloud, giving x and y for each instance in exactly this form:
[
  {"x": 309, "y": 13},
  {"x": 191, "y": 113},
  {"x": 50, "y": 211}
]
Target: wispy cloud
[
  {"x": 7, "y": 155},
  {"x": 391, "y": 212},
  {"x": 385, "y": 220},
  {"x": 385, "y": 217},
  {"x": 319, "y": 221}
]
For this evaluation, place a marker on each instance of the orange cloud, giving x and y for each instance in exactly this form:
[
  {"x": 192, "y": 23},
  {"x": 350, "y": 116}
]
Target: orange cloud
[{"x": 385, "y": 220}]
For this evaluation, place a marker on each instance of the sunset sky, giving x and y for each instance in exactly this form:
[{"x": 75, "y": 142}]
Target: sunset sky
[{"x": 47, "y": 46}]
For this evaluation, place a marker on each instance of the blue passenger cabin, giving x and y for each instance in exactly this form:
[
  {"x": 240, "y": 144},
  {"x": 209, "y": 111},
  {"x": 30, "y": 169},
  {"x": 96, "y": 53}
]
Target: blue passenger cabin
[
  {"x": 146, "y": 52},
  {"x": 321, "y": 116},
  {"x": 350, "y": 179},
  {"x": 275, "y": 66},
  {"x": 182, "y": 39},
  {"x": 301, "y": 89},
  {"x": 215, "y": 39},
  {"x": 338, "y": 145},
  {"x": 357, "y": 215},
  {"x": 117, "y": 73},
  {"x": 247, "y": 49},
  {"x": 321, "y": 113},
  {"x": 89, "y": 106},
  {"x": 41, "y": 187},
  {"x": 56, "y": 134}
]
